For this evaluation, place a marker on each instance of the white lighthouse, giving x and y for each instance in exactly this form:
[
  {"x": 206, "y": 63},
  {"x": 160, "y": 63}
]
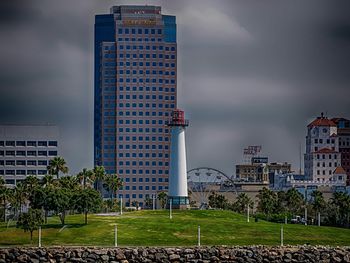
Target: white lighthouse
[{"x": 178, "y": 170}]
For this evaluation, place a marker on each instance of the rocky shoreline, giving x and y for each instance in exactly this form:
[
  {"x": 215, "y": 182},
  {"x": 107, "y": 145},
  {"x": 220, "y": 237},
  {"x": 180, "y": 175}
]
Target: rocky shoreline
[{"x": 248, "y": 254}]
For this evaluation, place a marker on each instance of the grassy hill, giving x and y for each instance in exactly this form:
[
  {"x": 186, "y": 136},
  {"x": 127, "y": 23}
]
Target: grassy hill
[{"x": 154, "y": 228}]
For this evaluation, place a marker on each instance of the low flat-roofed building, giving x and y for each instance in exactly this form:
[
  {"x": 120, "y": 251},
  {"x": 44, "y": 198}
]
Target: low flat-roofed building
[
  {"x": 26, "y": 150},
  {"x": 284, "y": 182}
]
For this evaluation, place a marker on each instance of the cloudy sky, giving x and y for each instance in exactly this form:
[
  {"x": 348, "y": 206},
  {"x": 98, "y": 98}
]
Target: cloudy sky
[{"x": 249, "y": 72}]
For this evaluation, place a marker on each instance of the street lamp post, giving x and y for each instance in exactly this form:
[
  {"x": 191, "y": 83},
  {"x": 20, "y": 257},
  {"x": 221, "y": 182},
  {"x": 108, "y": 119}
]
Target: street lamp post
[
  {"x": 115, "y": 235},
  {"x": 121, "y": 205},
  {"x": 248, "y": 214}
]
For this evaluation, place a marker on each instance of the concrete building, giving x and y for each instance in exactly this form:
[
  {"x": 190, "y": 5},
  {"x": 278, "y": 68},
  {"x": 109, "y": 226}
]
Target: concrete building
[
  {"x": 343, "y": 128},
  {"x": 260, "y": 170},
  {"x": 135, "y": 92},
  {"x": 252, "y": 172},
  {"x": 284, "y": 182},
  {"x": 26, "y": 150},
  {"x": 278, "y": 168},
  {"x": 322, "y": 155}
]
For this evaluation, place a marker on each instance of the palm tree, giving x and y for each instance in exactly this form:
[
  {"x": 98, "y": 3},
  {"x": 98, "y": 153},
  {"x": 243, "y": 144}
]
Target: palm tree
[
  {"x": 281, "y": 203},
  {"x": 86, "y": 177},
  {"x": 218, "y": 201},
  {"x": 2, "y": 182},
  {"x": 267, "y": 202},
  {"x": 68, "y": 182},
  {"x": 294, "y": 200},
  {"x": 5, "y": 196},
  {"x": 48, "y": 181},
  {"x": 341, "y": 202},
  {"x": 100, "y": 174},
  {"x": 112, "y": 184},
  {"x": 318, "y": 203},
  {"x": 242, "y": 202},
  {"x": 162, "y": 197},
  {"x": 19, "y": 197},
  {"x": 148, "y": 202},
  {"x": 57, "y": 165},
  {"x": 30, "y": 183}
]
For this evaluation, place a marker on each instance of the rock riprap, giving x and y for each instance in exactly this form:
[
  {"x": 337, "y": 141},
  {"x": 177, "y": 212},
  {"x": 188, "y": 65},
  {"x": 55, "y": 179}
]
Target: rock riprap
[{"x": 250, "y": 254}]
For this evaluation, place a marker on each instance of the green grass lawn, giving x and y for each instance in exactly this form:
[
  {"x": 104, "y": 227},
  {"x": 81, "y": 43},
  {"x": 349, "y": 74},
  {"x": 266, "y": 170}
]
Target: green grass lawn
[{"x": 154, "y": 228}]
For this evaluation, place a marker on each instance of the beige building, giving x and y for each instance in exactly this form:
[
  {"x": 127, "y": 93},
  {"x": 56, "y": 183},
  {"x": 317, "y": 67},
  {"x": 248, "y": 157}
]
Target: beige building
[
  {"x": 260, "y": 172},
  {"x": 322, "y": 157}
]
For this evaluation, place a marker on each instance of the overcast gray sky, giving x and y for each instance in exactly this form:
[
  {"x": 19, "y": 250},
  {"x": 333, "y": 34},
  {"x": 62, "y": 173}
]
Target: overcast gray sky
[{"x": 249, "y": 72}]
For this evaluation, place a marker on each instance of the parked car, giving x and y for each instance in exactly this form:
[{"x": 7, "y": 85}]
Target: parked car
[{"x": 297, "y": 220}]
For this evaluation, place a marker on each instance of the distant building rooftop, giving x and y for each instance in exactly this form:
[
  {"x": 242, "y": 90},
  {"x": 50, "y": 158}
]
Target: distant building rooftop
[
  {"x": 325, "y": 150},
  {"x": 339, "y": 170},
  {"x": 322, "y": 121}
]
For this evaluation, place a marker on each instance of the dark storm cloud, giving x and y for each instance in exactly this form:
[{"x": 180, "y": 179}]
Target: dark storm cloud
[
  {"x": 249, "y": 72},
  {"x": 291, "y": 69},
  {"x": 16, "y": 12},
  {"x": 341, "y": 32},
  {"x": 46, "y": 72}
]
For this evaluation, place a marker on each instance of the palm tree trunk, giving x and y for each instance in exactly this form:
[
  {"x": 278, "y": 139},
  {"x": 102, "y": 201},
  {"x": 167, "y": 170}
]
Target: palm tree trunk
[
  {"x": 315, "y": 222},
  {"x": 4, "y": 211},
  {"x": 46, "y": 214},
  {"x": 62, "y": 217}
]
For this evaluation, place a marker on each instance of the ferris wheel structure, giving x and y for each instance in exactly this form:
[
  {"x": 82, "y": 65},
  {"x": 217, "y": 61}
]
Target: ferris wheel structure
[{"x": 203, "y": 181}]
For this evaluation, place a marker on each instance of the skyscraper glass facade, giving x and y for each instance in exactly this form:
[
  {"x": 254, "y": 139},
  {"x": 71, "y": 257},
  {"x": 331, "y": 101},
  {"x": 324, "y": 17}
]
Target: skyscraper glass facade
[{"x": 135, "y": 92}]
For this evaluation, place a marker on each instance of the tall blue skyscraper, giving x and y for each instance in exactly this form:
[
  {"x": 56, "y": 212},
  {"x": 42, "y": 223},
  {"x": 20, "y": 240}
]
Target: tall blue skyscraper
[{"x": 135, "y": 92}]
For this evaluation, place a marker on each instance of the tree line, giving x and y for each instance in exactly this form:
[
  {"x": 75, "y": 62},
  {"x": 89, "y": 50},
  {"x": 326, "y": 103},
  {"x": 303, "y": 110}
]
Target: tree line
[
  {"x": 276, "y": 206},
  {"x": 31, "y": 201},
  {"x": 57, "y": 194}
]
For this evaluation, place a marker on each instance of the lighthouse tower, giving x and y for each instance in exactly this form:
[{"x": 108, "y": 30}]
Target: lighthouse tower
[{"x": 178, "y": 170}]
